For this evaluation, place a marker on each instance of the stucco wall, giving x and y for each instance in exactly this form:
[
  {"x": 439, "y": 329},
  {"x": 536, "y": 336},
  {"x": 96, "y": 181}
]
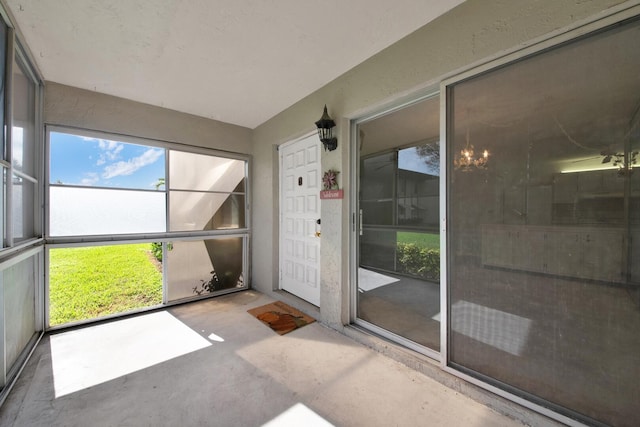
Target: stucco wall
[
  {"x": 472, "y": 32},
  {"x": 70, "y": 106}
]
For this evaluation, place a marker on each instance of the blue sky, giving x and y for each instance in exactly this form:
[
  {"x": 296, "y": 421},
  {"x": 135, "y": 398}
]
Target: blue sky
[
  {"x": 77, "y": 160},
  {"x": 408, "y": 159}
]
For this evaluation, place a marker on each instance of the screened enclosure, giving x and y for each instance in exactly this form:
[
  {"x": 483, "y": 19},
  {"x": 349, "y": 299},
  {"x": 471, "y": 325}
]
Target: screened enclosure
[
  {"x": 180, "y": 215},
  {"x": 21, "y": 244}
]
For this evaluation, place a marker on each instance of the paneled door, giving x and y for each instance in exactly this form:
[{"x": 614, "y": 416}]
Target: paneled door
[{"x": 300, "y": 218}]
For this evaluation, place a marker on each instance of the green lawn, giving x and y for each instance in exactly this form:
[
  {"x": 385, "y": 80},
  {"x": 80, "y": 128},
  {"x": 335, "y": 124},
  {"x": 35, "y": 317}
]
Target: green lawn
[
  {"x": 92, "y": 282},
  {"x": 426, "y": 240}
]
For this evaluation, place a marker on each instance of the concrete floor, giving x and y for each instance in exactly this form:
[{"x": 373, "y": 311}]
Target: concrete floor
[
  {"x": 405, "y": 306},
  {"x": 211, "y": 363}
]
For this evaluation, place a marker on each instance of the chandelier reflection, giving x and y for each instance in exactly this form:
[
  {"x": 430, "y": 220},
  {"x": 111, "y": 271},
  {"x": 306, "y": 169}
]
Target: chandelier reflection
[{"x": 467, "y": 161}]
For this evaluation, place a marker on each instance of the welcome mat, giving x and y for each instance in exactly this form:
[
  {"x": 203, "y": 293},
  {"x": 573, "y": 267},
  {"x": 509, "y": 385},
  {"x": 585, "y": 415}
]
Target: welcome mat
[{"x": 281, "y": 317}]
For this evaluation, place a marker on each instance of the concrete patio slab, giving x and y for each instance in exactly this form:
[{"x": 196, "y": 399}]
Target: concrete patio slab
[{"x": 211, "y": 363}]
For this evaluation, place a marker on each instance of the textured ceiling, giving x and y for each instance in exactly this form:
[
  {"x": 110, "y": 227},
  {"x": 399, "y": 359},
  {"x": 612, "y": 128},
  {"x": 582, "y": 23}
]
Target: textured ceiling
[{"x": 240, "y": 62}]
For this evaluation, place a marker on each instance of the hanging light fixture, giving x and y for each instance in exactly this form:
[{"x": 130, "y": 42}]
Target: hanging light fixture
[
  {"x": 467, "y": 162},
  {"x": 325, "y": 131}
]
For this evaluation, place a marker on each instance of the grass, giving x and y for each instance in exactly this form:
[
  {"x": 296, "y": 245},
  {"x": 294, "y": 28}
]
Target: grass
[
  {"x": 93, "y": 282},
  {"x": 425, "y": 240}
]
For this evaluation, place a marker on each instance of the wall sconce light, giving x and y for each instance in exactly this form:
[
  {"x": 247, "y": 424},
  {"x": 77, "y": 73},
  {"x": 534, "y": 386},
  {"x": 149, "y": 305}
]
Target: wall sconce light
[{"x": 325, "y": 131}]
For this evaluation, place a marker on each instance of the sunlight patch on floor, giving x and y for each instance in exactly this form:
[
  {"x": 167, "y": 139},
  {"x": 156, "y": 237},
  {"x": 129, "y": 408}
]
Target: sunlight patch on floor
[
  {"x": 496, "y": 328},
  {"x": 369, "y": 280},
  {"x": 298, "y": 415},
  {"x": 215, "y": 338},
  {"x": 90, "y": 356}
]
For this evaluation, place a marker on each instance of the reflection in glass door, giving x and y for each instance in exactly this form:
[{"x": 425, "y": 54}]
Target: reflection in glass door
[
  {"x": 542, "y": 254},
  {"x": 399, "y": 241}
]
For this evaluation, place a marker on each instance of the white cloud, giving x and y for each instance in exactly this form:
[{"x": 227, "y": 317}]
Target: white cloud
[
  {"x": 110, "y": 151},
  {"x": 107, "y": 145},
  {"x": 90, "y": 179},
  {"x": 124, "y": 168}
]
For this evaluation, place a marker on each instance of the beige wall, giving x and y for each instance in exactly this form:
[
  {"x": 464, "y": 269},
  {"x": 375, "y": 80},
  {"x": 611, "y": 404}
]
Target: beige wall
[
  {"x": 472, "y": 32},
  {"x": 70, "y": 106}
]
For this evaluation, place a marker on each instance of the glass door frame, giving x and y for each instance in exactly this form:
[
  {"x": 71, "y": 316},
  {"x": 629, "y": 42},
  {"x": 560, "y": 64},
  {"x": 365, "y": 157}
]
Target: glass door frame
[{"x": 357, "y": 226}]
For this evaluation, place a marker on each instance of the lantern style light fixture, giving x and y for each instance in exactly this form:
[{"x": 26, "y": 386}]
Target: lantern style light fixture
[{"x": 325, "y": 131}]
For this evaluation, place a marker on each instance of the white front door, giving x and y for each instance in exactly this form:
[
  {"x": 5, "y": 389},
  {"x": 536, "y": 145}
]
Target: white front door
[{"x": 299, "y": 217}]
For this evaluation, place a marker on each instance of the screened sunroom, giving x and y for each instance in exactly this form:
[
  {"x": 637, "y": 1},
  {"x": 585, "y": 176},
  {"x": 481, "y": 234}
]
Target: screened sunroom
[{"x": 475, "y": 219}]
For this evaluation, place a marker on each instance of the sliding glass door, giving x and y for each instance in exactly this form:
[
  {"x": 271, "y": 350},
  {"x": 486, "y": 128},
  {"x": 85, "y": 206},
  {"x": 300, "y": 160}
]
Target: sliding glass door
[
  {"x": 543, "y": 250},
  {"x": 398, "y": 291}
]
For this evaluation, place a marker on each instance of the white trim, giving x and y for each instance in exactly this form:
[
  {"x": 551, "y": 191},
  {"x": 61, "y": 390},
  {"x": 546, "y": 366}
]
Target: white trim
[
  {"x": 73, "y": 242},
  {"x": 444, "y": 198},
  {"x": 355, "y": 220},
  {"x": 402, "y": 103},
  {"x": 7, "y": 252},
  {"x": 8, "y": 125},
  {"x": 21, "y": 256},
  {"x": 399, "y": 339}
]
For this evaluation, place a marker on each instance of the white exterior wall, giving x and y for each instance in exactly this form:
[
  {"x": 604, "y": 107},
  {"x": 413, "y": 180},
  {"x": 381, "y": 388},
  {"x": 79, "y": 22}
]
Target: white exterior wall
[{"x": 470, "y": 34}]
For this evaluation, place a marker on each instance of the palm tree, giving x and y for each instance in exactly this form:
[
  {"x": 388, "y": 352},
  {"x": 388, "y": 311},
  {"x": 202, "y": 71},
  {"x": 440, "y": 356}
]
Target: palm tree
[{"x": 159, "y": 183}]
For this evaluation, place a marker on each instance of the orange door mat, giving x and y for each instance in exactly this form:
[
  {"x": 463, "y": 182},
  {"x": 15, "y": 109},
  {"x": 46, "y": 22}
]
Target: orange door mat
[{"x": 280, "y": 317}]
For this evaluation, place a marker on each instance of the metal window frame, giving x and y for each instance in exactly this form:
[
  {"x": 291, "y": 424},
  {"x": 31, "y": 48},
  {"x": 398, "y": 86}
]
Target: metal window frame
[
  {"x": 357, "y": 225},
  {"x": 147, "y": 142},
  {"x": 10, "y": 251},
  {"x": 53, "y": 242},
  {"x": 19, "y": 57}
]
